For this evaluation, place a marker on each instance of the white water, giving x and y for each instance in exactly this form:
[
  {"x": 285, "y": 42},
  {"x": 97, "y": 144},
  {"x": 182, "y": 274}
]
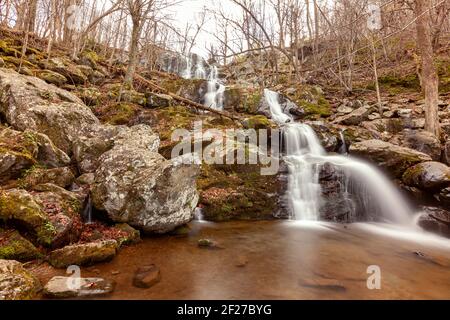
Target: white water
[
  {"x": 305, "y": 156},
  {"x": 215, "y": 92}
]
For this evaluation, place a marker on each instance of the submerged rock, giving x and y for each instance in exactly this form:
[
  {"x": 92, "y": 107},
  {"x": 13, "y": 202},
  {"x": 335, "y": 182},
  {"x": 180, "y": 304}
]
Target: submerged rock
[
  {"x": 69, "y": 287},
  {"x": 16, "y": 283},
  {"x": 393, "y": 158},
  {"x": 83, "y": 254},
  {"x": 147, "y": 276}
]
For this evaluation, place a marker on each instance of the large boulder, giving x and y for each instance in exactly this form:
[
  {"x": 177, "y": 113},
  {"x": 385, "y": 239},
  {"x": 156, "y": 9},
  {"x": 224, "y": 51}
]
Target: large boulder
[
  {"x": 88, "y": 149},
  {"x": 21, "y": 150},
  {"x": 66, "y": 68},
  {"x": 427, "y": 175},
  {"x": 393, "y": 158},
  {"x": 16, "y": 283},
  {"x": 142, "y": 188},
  {"x": 30, "y": 103}
]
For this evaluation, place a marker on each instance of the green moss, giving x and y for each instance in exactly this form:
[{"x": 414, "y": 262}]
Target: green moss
[
  {"x": 409, "y": 81},
  {"x": 252, "y": 102},
  {"x": 120, "y": 113},
  {"x": 14, "y": 247},
  {"x": 321, "y": 108}
]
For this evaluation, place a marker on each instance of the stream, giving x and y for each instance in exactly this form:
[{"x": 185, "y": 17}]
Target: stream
[{"x": 282, "y": 260}]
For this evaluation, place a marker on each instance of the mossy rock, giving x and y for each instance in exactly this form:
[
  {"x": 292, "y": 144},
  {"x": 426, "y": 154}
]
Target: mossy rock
[
  {"x": 15, "y": 247},
  {"x": 20, "y": 206},
  {"x": 18, "y": 61},
  {"x": 90, "y": 96},
  {"x": 119, "y": 113},
  {"x": 257, "y": 122},
  {"x": 16, "y": 282},
  {"x": 132, "y": 235},
  {"x": 52, "y": 77},
  {"x": 238, "y": 192}
]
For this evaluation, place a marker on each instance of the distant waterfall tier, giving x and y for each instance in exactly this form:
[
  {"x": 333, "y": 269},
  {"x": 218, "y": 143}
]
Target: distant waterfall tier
[{"x": 333, "y": 187}]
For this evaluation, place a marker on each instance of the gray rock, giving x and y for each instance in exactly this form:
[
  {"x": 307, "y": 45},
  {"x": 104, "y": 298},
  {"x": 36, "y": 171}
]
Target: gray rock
[
  {"x": 16, "y": 283},
  {"x": 141, "y": 188},
  {"x": 355, "y": 117},
  {"x": 423, "y": 141},
  {"x": 157, "y": 100},
  {"x": 393, "y": 158},
  {"x": 70, "y": 287},
  {"x": 30, "y": 103},
  {"x": 374, "y": 116},
  {"x": 344, "y": 109}
]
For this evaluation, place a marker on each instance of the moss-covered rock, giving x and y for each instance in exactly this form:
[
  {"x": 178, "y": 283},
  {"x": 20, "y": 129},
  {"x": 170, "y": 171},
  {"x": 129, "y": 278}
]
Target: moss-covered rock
[
  {"x": 65, "y": 67},
  {"x": 15, "y": 247},
  {"x": 156, "y": 100},
  {"x": 257, "y": 122},
  {"x": 427, "y": 175},
  {"x": 21, "y": 207},
  {"x": 16, "y": 283},
  {"x": 238, "y": 192},
  {"x": 52, "y": 77},
  {"x": 119, "y": 113},
  {"x": 83, "y": 254},
  {"x": 131, "y": 235},
  {"x": 62, "y": 177},
  {"x": 90, "y": 96}
]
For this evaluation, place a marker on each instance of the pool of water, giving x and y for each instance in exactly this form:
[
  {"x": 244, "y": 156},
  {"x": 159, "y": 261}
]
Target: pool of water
[{"x": 282, "y": 260}]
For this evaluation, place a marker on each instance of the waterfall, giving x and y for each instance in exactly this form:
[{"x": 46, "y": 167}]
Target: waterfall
[
  {"x": 305, "y": 158},
  {"x": 343, "y": 147},
  {"x": 87, "y": 211},
  {"x": 215, "y": 92}
]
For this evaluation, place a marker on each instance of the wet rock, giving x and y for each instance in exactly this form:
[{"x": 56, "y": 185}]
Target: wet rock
[
  {"x": 147, "y": 276},
  {"x": 15, "y": 247},
  {"x": 30, "y": 103},
  {"x": 208, "y": 244},
  {"x": 323, "y": 284},
  {"x": 393, "y": 158},
  {"x": 83, "y": 254},
  {"x": 444, "y": 197},
  {"x": 446, "y": 153},
  {"x": 70, "y": 287},
  {"x": 355, "y": 117},
  {"x": 427, "y": 175},
  {"x": 140, "y": 187},
  {"x": 157, "y": 100},
  {"x": 16, "y": 283},
  {"x": 241, "y": 261},
  {"x": 435, "y": 220},
  {"x": 327, "y": 135},
  {"x": 287, "y": 106},
  {"x": 423, "y": 141}
]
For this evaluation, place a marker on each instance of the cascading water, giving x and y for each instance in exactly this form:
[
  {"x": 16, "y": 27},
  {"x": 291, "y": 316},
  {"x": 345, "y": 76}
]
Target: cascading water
[
  {"x": 215, "y": 92},
  {"x": 305, "y": 158}
]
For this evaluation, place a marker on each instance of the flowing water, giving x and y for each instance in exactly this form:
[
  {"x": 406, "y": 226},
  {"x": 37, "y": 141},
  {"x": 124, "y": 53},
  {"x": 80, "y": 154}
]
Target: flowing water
[
  {"x": 215, "y": 92},
  {"x": 305, "y": 157}
]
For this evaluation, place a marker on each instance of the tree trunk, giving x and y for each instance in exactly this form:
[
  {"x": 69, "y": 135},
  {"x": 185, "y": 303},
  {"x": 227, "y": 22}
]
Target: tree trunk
[
  {"x": 430, "y": 79},
  {"x": 133, "y": 54}
]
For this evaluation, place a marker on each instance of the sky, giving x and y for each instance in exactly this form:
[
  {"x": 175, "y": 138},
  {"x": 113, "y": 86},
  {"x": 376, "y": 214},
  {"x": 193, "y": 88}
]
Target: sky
[{"x": 187, "y": 12}]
